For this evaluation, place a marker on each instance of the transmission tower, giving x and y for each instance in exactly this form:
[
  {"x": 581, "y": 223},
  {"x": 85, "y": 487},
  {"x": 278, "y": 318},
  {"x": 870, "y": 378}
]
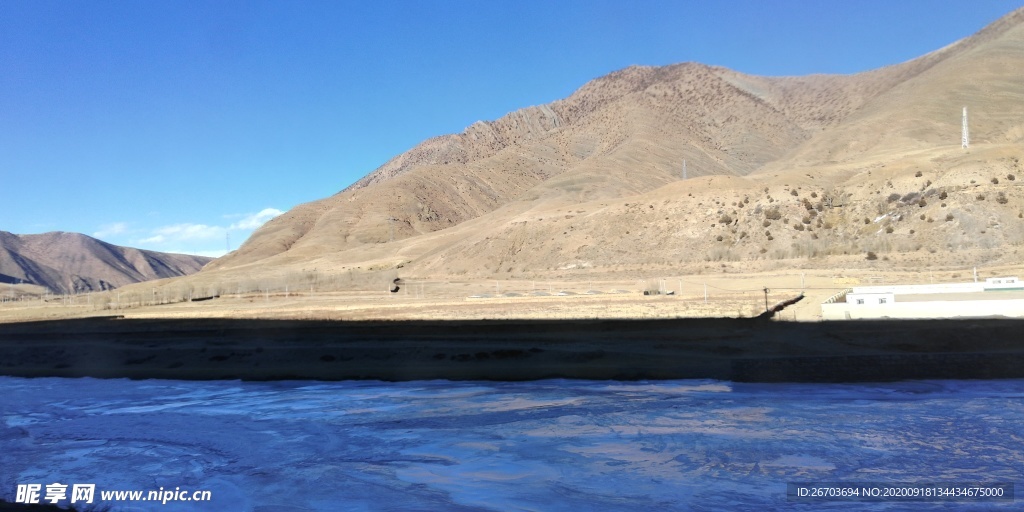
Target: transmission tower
[
  {"x": 965, "y": 138},
  {"x": 391, "y": 229}
]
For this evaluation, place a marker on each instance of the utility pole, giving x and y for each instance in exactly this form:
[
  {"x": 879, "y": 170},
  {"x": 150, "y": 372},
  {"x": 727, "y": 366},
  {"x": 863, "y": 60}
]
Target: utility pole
[
  {"x": 391, "y": 229},
  {"x": 684, "y": 169},
  {"x": 965, "y": 139},
  {"x": 765, "y": 299}
]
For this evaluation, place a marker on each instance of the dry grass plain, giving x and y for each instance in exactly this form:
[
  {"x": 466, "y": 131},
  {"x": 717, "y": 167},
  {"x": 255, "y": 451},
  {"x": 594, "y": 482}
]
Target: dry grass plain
[{"x": 730, "y": 294}]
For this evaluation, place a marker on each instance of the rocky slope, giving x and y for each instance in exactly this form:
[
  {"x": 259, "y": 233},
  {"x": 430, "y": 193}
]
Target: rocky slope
[{"x": 594, "y": 180}]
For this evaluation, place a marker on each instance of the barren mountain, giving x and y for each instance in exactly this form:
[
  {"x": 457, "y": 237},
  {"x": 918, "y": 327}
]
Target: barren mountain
[
  {"x": 72, "y": 262},
  {"x": 778, "y": 169}
]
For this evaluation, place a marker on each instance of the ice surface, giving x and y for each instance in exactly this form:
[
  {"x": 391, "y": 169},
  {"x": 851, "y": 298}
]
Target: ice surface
[{"x": 549, "y": 445}]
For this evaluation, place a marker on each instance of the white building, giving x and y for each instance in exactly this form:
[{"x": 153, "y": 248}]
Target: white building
[{"x": 996, "y": 297}]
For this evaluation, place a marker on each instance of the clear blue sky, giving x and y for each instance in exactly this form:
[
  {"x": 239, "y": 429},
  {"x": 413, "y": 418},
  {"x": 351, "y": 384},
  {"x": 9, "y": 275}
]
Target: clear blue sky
[{"x": 166, "y": 124}]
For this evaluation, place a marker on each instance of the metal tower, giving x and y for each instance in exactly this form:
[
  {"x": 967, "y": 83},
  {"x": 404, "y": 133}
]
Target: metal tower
[{"x": 965, "y": 139}]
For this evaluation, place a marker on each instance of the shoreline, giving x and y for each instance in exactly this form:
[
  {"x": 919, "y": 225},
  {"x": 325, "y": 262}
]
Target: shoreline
[{"x": 739, "y": 350}]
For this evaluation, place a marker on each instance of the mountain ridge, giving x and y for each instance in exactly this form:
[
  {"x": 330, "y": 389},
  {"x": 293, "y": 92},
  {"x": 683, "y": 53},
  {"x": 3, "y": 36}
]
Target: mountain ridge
[
  {"x": 626, "y": 134},
  {"x": 67, "y": 262}
]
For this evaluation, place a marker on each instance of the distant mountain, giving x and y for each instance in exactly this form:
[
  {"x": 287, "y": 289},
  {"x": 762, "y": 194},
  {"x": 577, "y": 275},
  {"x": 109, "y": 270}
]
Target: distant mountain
[
  {"x": 595, "y": 180},
  {"x": 73, "y": 262}
]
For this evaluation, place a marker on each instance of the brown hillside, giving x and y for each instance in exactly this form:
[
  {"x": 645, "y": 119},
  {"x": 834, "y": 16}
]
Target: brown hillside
[{"x": 592, "y": 182}]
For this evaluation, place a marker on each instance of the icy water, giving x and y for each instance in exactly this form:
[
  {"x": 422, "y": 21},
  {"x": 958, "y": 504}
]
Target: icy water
[{"x": 548, "y": 445}]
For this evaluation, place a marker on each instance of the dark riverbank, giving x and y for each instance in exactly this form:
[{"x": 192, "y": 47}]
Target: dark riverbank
[{"x": 740, "y": 350}]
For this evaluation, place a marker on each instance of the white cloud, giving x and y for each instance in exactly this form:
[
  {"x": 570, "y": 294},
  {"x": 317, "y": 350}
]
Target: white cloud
[
  {"x": 253, "y": 221},
  {"x": 203, "y": 239},
  {"x": 189, "y": 232},
  {"x": 109, "y": 230},
  {"x": 213, "y": 253}
]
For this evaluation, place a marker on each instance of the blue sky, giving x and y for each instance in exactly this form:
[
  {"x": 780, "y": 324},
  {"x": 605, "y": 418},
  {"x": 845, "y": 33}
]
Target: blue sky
[{"x": 167, "y": 124}]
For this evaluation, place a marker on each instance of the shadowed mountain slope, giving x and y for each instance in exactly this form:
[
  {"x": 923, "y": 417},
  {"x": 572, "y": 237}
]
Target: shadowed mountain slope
[{"x": 72, "y": 262}]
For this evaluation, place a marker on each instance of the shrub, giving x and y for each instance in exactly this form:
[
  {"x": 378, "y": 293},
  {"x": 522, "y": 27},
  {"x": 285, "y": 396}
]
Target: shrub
[
  {"x": 719, "y": 238},
  {"x": 806, "y": 219},
  {"x": 871, "y": 256},
  {"x": 943, "y": 195},
  {"x": 917, "y": 174},
  {"x": 1001, "y": 198},
  {"x": 949, "y": 217},
  {"x": 794, "y": 192},
  {"x": 1010, "y": 177},
  {"x": 766, "y": 223},
  {"x": 980, "y": 197},
  {"x": 888, "y": 229},
  {"x": 995, "y": 181},
  {"x": 772, "y": 214},
  {"x": 922, "y": 203},
  {"x": 725, "y": 219},
  {"x": 892, "y": 197},
  {"x": 798, "y": 227},
  {"x": 814, "y": 194},
  {"x": 867, "y": 220}
]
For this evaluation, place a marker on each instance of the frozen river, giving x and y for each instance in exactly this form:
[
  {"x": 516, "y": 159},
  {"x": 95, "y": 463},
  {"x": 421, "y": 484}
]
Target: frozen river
[{"x": 547, "y": 445}]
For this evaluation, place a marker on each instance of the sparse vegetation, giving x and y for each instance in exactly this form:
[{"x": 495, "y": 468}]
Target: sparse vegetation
[
  {"x": 995, "y": 181},
  {"x": 943, "y": 195},
  {"x": 949, "y": 217},
  {"x": 871, "y": 256},
  {"x": 917, "y": 174},
  {"x": 980, "y": 197},
  {"x": 1010, "y": 177},
  {"x": 772, "y": 214},
  {"x": 1001, "y": 198}
]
